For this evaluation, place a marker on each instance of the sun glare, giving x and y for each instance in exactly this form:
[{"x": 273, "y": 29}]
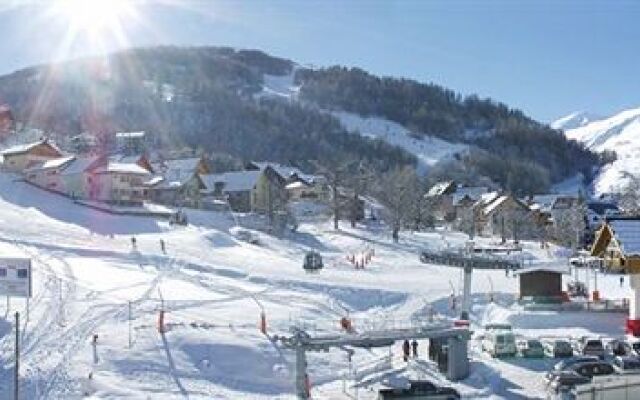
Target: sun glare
[{"x": 94, "y": 17}]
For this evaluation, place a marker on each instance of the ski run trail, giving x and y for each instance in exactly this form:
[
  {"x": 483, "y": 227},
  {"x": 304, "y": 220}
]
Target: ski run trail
[{"x": 87, "y": 278}]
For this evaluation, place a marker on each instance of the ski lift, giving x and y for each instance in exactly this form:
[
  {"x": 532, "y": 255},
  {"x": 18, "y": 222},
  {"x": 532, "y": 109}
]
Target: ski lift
[{"x": 313, "y": 261}]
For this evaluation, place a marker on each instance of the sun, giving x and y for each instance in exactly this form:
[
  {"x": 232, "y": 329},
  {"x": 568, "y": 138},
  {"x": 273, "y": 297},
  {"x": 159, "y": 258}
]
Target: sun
[{"x": 94, "y": 17}]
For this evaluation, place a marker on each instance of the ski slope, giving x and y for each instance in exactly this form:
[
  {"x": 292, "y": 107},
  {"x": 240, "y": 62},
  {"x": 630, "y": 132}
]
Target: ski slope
[{"x": 213, "y": 287}]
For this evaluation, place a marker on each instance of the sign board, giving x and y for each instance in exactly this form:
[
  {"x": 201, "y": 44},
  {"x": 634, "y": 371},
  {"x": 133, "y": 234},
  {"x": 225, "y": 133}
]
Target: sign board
[{"x": 15, "y": 277}]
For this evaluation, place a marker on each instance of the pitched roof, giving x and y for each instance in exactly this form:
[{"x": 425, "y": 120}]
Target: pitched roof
[
  {"x": 472, "y": 192},
  {"x": 50, "y": 164},
  {"x": 627, "y": 234},
  {"x": 287, "y": 171},
  {"x": 185, "y": 165},
  {"x": 440, "y": 188},
  {"x": 80, "y": 164},
  {"x": 123, "y": 168},
  {"x": 544, "y": 267},
  {"x": 24, "y": 148},
  {"x": 235, "y": 181}
]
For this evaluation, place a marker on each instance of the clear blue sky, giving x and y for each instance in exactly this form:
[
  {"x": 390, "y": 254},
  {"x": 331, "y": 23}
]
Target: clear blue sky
[{"x": 548, "y": 58}]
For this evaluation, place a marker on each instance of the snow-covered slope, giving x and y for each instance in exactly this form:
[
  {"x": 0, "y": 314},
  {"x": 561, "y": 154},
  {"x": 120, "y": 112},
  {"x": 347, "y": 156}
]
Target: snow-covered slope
[
  {"x": 428, "y": 150},
  {"x": 574, "y": 120},
  {"x": 620, "y": 133},
  {"x": 214, "y": 287}
]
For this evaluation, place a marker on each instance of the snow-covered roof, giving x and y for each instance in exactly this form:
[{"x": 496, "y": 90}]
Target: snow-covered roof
[
  {"x": 129, "y": 135},
  {"x": 495, "y": 203},
  {"x": 544, "y": 267},
  {"x": 123, "y": 168},
  {"x": 235, "y": 181},
  {"x": 79, "y": 165},
  {"x": 487, "y": 198},
  {"x": 627, "y": 234},
  {"x": 125, "y": 159},
  {"x": 439, "y": 188},
  {"x": 296, "y": 185},
  {"x": 154, "y": 181},
  {"x": 24, "y": 148},
  {"x": 288, "y": 172},
  {"x": 50, "y": 164},
  {"x": 176, "y": 172},
  {"x": 472, "y": 192}
]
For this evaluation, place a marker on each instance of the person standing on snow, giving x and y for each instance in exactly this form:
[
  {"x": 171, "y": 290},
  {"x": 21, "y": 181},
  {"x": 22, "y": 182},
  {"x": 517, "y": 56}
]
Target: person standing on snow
[
  {"x": 133, "y": 242},
  {"x": 414, "y": 347},
  {"x": 162, "y": 247},
  {"x": 406, "y": 350},
  {"x": 621, "y": 280}
]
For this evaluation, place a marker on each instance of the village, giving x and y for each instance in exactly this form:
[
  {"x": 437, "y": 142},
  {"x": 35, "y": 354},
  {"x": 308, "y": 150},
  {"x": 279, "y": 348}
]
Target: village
[{"x": 565, "y": 251}]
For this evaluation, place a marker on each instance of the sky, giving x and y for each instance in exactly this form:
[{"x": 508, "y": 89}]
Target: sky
[{"x": 548, "y": 58}]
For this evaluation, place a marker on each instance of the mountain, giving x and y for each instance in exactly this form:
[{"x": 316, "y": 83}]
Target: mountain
[
  {"x": 249, "y": 105},
  {"x": 574, "y": 120},
  {"x": 619, "y": 133}
]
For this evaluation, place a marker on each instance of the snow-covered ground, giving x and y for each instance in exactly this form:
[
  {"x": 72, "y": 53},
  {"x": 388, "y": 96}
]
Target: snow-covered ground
[
  {"x": 619, "y": 133},
  {"x": 214, "y": 287}
]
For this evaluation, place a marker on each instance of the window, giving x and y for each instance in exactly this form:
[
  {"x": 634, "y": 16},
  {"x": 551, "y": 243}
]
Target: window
[
  {"x": 3, "y": 272},
  {"x": 23, "y": 273}
]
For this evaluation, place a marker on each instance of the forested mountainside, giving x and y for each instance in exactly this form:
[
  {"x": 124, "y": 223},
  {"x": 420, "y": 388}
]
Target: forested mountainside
[{"x": 210, "y": 98}]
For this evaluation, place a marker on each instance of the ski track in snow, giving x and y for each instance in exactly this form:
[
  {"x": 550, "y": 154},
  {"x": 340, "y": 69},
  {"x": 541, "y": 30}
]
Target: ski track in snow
[{"x": 214, "y": 292}]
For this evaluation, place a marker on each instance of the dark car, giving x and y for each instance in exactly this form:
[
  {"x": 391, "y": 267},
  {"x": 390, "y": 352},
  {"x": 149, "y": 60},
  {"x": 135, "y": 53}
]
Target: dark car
[
  {"x": 419, "y": 389},
  {"x": 558, "y": 348},
  {"x": 627, "y": 364},
  {"x": 567, "y": 379},
  {"x": 619, "y": 347},
  {"x": 592, "y": 347}
]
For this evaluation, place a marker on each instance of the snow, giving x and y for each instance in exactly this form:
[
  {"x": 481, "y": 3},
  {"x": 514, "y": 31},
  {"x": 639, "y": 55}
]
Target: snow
[
  {"x": 213, "y": 287},
  {"x": 574, "y": 120},
  {"x": 429, "y": 150},
  {"x": 233, "y": 181},
  {"x": 280, "y": 86},
  {"x": 618, "y": 133}
]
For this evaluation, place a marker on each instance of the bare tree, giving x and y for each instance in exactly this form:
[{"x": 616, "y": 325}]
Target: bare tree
[
  {"x": 336, "y": 174},
  {"x": 569, "y": 226},
  {"x": 397, "y": 192},
  {"x": 630, "y": 196}
]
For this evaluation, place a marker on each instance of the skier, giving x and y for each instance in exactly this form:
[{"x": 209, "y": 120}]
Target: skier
[
  {"x": 406, "y": 350},
  {"x": 414, "y": 347},
  {"x": 162, "y": 247},
  {"x": 452, "y": 301},
  {"x": 133, "y": 242},
  {"x": 621, "y": 280}
]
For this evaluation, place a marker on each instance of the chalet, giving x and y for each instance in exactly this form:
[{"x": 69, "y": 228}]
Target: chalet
[
  {"x": 502, "y": 214},
  {"x": 47, "y": 174},
  {"x": 465, "y": 197},
  {"x": 617, "y": 242},
  {"x": 76, "y": 180},
  {"x": 83, "y": 143},
  {"x": 18, "y": 158},
  {"x": 247, "y": 191},
  {"x": 179, "y": 182},
  {"x": 118, "y": 183},
  {"x": 140, "y": 160},
  {"x": 299, "y": 185}
]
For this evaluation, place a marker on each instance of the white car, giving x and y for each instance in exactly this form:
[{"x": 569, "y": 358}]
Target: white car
[{"x": 499, "y": 343}]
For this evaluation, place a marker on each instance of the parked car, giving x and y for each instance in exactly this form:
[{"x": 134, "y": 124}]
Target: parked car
[
  {"x": 499, "y": 343},
  {"x": 594, "y": 369},
  {"x": 531, "y": 348},
  {"x": 567, "y": 363},
  {"x": 558, "y": 348},
  {"x": 627, "y": 364},
  {"x": 591, "y": 347},
  {"x": 560, "y": 380},
  {"x": 419, "y": 390},
  {"x": 619, "y": 347}
]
